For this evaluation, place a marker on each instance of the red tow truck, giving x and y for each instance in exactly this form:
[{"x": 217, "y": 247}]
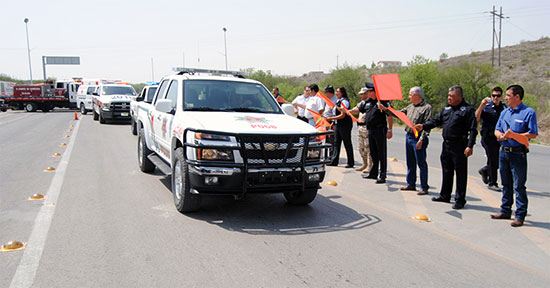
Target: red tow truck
[{"x": 32, "y": 97}]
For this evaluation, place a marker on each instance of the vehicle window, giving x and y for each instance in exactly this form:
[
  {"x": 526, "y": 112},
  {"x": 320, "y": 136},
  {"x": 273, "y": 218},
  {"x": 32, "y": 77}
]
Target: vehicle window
[
  {"x": 90, "y": 90},
  {"x": 118, "y": 90},
  {"x": 217, "y": 95},
  {"x": 60, "y": 85},
  {"x": 150, "y": 94},
  {"x": 172, "y": 93},
  {"x": 162, "y": 90}
]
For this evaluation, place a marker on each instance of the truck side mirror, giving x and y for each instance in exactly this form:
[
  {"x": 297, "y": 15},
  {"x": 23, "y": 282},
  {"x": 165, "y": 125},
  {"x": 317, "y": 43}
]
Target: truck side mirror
[
  {"x": 288, "y": 109},
  {"x": 139, "y": 98},
  {"x": 165, "y": 106}
]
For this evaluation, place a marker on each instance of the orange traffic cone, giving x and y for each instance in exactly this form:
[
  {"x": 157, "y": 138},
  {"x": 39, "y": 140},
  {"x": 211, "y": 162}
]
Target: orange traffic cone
[{"x": 75, "y": 116}]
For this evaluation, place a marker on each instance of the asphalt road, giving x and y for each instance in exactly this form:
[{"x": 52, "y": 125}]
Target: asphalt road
[{"x": 106, "y": 224}]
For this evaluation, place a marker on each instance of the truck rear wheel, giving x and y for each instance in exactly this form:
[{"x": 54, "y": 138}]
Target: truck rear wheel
[
  {"x": 301, "y": 198},
  {"x": 30, "y": 107},
  {"x": 145, "y": 165},
  {"x": 96, "y": 116},
  {"x": 83, "y": 109},
  {"x": 184, "y": 200}
]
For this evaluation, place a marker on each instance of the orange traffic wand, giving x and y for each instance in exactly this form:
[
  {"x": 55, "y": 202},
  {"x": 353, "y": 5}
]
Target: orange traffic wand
[{"x": 75, "y": 116}]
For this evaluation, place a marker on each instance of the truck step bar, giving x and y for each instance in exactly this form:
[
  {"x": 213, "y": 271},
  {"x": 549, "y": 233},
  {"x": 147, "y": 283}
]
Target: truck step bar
[{"x": 161, "y": 165}]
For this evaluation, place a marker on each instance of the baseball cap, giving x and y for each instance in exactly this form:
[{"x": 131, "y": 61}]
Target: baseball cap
[
  {"x": 363, "y": 90},
  {"x": 369, "y": 85}
]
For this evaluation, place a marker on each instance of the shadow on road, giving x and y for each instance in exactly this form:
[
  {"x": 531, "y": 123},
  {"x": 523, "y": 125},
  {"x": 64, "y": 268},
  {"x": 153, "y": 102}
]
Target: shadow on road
[{"x": 270, "y": 214}]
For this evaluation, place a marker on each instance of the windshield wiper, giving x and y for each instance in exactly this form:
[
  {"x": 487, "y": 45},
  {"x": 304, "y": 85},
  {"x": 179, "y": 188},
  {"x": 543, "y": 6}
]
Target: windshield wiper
[
  {"x": 243, "y": 109},
  {"x": 201, "y": 109}
]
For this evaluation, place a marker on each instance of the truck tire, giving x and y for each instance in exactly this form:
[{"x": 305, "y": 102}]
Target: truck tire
[
  {"x": 133, "y": 126},
  {"x": 83, "y": 110},
  {"x": 96, "y": 116},
  {"x": 301, "y": 198},
  {"x": 3, "y": 109},
  {"x": 30, "y": 107},
  {"x": 101, "y": 119},
  {"x": 184, "y": 200},
  {"x": 145, "y": 165}
]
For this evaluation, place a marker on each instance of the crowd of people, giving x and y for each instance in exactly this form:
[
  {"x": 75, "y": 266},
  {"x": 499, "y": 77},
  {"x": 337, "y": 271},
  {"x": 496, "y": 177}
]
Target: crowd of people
[{"x": 505, "y": 132}]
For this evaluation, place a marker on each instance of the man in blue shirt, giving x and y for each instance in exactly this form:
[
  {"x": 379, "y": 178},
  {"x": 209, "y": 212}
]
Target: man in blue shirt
[
  {"x": 516, "y": 120},
  {"x": 488, "y": 112}
]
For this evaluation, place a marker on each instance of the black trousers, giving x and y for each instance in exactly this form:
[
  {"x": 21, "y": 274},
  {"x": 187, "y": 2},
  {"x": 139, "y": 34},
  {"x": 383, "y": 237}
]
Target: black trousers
[
  {"x": 343, "y": 133},
  {"x": 491, "y": 146},
  {"x": 454, "y": 161},
  {"x": 378, "y": 151}
]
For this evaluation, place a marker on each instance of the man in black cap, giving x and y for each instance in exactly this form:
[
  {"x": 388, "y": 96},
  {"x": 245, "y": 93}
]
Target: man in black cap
[
  {"x": 329, "y": 92},
  {"x": 458, "y": 120},
  {"x": 378, "y": 133}
]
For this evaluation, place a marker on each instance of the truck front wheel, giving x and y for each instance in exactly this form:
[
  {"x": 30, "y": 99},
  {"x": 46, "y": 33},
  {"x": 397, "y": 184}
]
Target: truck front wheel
[
  {"x": 301, "y": 198},
  {"x": 96, "y": 116},
  {"x": 145, "y": 165},
  {"x": 184, "y": 200},
  {"x": 83, "y": 109},
  {"x": 101, "y": 119},
  {"x": 133, "y": 126}
]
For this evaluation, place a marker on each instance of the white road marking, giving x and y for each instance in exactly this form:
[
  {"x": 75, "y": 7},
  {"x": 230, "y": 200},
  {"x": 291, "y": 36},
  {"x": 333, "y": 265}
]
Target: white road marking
[{"x": 26, "y": 271}]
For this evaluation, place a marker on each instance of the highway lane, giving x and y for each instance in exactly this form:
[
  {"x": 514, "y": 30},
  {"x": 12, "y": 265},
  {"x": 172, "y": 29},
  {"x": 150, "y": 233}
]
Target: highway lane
[{"x": 116, "y": 227}]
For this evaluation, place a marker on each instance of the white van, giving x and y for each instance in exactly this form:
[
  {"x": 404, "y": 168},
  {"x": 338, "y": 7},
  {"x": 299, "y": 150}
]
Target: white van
[{"x": 84, "y": 95}]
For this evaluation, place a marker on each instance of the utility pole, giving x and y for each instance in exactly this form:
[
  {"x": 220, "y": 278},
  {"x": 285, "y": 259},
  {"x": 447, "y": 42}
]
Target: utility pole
[
  {"x": 225, "y": 44},
  {"x": 497, "y": 38},
  {"x": 28, "y": 46},
  {"x": 336, "y": 61}
]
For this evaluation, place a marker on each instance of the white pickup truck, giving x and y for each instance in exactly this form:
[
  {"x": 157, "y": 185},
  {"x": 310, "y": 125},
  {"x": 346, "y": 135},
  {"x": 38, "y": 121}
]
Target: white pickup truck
[
  {"x": 219, "y": 135},
  {"x": 146, "y": 96},
  {"x": 112, "y": 102}
]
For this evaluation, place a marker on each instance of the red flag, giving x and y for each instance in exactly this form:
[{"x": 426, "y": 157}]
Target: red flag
[
  {"x": 404, "y": 118},
  {"x": 387, "y": 87}
]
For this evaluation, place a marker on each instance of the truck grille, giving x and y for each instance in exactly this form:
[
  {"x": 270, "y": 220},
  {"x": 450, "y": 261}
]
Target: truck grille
[
  {"x": 120, "y": 106},
  {"x": 273, "y": 150}
]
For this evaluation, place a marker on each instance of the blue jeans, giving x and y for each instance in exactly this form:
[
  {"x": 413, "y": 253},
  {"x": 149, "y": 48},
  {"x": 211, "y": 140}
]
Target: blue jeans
[
  {"x": 415, "y": 157},
  {"x": 513, "y": 175}
]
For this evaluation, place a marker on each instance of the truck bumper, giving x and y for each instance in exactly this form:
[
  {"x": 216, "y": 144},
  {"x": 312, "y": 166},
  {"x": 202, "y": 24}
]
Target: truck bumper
[
  {"x": 231, "y": 181},
  {"x": 116, "y": 115}
]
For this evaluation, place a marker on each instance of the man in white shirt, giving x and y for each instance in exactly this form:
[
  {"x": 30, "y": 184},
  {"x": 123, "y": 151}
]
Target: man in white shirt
[
  {"x": 300, "y": 102},
  {"x": 314, "y": 103},
  {"x": 329, "y": 92}
]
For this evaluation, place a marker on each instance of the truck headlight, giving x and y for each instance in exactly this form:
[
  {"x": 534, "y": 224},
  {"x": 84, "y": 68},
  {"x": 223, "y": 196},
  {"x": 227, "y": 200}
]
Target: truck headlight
[
  {"x": 105, "y": 106},
  {"x": 215, "y": 154},
  {"x": 206, "y": 136}
]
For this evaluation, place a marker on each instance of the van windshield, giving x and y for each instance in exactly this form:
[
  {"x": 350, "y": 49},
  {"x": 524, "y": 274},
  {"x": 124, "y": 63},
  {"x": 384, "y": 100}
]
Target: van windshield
[
  {"x": 216, "y": 95},
  {"x": 118, "y": 90}
]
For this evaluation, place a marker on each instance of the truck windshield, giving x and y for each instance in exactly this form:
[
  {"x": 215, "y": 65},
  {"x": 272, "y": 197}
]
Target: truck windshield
[
  {"x": 217, "y": 95},
  {"x": 118, "y": 90}
]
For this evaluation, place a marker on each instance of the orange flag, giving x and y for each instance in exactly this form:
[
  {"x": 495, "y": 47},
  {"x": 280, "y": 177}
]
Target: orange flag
[
  {"x": 331, "y": 105},
  {"x": 388, "y": 87},
  {"x": 404, "y": 118},
  {"x": 280, "y": 99},
  {"x": 320, "y": 121}
]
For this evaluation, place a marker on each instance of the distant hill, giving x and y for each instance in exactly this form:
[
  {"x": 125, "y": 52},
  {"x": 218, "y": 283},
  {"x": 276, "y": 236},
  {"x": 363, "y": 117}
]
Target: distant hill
[{"x": 523, "y": 62}]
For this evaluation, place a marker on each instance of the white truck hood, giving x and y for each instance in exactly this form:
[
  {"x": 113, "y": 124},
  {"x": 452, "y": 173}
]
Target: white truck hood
[{"x": 258, "y": 123}]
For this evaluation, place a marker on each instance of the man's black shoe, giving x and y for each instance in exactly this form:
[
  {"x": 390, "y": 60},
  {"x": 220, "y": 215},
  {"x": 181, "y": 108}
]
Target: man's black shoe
[
  {"x": 441, "y": 199},
  {"x": 458, "y": 206},
  {"x": 365, "y": 176},
  {"x": 484, "y": 176},
  {"x": 349, "y": 166},
  {"x": 380, "y": 180}
]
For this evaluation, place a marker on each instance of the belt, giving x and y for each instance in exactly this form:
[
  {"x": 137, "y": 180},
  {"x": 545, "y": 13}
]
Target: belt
[{"x": 515, "y": 149}]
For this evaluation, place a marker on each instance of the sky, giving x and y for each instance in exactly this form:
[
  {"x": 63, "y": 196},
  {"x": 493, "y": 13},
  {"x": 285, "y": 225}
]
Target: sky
[{"x": 139, "y": 41}]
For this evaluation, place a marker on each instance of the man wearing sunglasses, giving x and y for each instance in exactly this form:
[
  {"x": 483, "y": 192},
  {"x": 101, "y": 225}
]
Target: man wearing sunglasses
[{"x": 489, "y": 111}]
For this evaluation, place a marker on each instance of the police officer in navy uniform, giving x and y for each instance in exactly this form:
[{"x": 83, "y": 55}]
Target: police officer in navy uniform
[
  {"x": 378, "y": 134},
  {"x": 459, "y": 137},
  {"x": 488, "y": 112}
]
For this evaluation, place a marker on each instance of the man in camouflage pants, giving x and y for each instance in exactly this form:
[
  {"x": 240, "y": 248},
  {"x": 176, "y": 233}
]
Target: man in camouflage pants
[{"x": 364, "y": 147}]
